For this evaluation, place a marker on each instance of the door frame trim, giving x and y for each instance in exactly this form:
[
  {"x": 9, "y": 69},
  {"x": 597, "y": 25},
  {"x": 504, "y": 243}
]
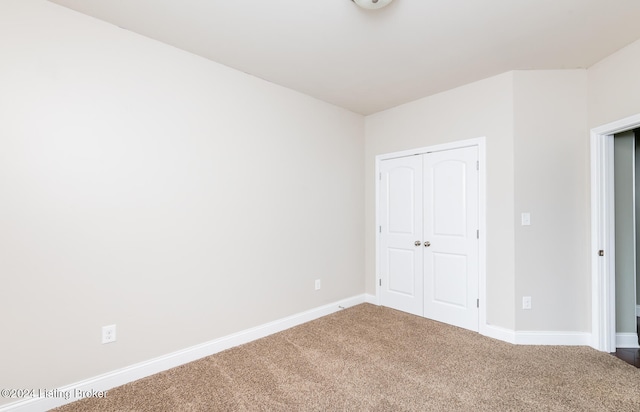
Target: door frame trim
[
  {"x": 480, "y": 142},
  {"x": 603, "y": 310}
]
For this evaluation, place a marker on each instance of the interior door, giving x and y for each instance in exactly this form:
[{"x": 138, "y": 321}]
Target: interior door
[
  {"x": 451, "y": 237},
  {"x": 401, "y": 260}
]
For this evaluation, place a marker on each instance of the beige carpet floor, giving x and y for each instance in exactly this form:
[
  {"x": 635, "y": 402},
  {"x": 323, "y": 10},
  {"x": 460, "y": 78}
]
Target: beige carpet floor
[{"x": 369, "y": 358}]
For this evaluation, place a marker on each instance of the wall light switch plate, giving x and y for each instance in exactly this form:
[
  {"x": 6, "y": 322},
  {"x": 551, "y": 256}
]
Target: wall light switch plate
[{"x": 526, "y": 219}]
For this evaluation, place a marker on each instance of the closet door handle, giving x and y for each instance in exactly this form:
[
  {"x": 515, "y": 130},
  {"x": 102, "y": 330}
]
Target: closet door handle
[
  {"x": 427, "y": 244},
  {"x": 417, "y": 243}
]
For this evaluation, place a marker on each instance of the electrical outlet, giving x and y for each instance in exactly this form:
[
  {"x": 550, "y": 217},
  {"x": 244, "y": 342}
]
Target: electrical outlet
[
  {"x": 526, "y": 302},
  {"x": 317, "y": 284},
  {"x": 109, "y": 334},
  {"x": 525, "y": 219}
]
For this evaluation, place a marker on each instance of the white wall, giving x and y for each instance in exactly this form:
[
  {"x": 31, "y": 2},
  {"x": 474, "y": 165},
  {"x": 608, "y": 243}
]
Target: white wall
[
  {"x": 552, "y": 183},
  {"x": 538, "y": 162},
  {"x": 483, "y": 108},
  {"x": 613, "y": 86},
  {"x": 147, "y": 187}
]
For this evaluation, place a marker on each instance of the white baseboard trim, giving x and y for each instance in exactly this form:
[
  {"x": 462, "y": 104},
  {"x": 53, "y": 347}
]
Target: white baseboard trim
[
  {"x": 499, "y": 333},
  {"x": 553, "y": 338},
  {"x": 537, "y": 337},
  {"x": 627, "y": 340},
  {"x": 371, "y": 299},
  {"x": 143, "y": 369}
]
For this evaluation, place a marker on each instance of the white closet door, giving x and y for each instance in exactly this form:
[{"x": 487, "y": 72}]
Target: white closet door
[
  {"x": 450, "y": 237},
  {"x": 401, "y": 260}
]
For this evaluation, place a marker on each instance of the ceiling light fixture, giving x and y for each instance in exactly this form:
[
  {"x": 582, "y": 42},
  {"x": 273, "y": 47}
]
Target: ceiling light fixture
[{"x": 372, "y": 4}]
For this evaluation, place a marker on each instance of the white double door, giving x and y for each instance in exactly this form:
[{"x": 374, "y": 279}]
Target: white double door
[{"x": 429, "y": 235}]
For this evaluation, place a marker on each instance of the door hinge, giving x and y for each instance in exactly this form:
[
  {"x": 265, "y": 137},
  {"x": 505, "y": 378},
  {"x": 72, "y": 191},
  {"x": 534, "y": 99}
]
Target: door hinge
[
  {"x": 379, "y": 229},
  {"x": 380, "y": 176},
  {"x": 477, "y": 165},
  {"x": 477, "y": 303},
  {"x": 478, "y": 234},
  {"x": 380, "y": 281}
]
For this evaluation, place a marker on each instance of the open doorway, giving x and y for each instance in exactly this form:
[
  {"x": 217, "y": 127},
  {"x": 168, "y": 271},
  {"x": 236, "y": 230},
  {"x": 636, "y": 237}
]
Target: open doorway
[
  {"x": 603, "y": 244},
  {"x": 626, "y": 161}
]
